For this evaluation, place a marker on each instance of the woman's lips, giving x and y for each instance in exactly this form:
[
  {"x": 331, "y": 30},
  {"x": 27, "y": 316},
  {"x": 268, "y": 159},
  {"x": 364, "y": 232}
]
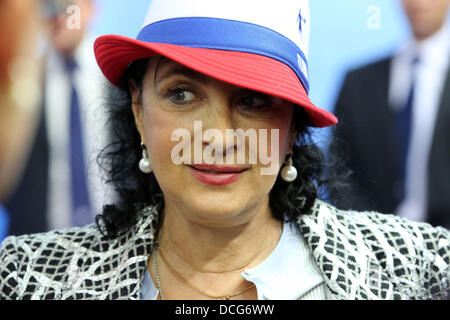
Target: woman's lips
[{"x": 216, "y": 175}]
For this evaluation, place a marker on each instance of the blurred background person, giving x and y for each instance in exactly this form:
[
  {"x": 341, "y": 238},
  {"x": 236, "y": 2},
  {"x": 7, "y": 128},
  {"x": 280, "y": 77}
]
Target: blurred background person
[
  {"x": 395, "y": 123},
  {"x": 61, "y": 184},
  {"x": 19, "y": 92}
]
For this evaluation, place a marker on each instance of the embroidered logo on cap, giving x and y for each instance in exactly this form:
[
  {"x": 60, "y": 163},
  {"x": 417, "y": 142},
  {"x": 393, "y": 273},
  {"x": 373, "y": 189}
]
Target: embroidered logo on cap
[{"x": 301, "y": 20}]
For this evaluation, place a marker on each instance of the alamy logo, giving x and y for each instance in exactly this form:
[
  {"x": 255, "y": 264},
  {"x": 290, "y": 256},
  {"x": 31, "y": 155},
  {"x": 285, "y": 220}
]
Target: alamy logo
[
  {"x": 74, "y": 19},
  {"x": 374, "y": 17},
  {"x": 213, "y": 153}
]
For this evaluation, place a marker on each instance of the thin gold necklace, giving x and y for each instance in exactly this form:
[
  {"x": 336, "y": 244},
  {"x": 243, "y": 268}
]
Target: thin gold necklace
[{"x": 186, "y": 282}]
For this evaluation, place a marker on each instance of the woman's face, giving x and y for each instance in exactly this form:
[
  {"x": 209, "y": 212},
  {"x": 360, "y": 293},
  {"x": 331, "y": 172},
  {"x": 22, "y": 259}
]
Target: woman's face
[{"x": 175, "y": 113}]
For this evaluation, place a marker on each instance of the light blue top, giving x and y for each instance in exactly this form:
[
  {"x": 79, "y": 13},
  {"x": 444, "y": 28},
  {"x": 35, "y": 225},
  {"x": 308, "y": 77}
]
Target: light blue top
[{"x": 288, "y": 273}]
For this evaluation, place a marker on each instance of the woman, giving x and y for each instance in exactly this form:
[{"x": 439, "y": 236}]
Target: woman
[{"x": 192, "y": 221}]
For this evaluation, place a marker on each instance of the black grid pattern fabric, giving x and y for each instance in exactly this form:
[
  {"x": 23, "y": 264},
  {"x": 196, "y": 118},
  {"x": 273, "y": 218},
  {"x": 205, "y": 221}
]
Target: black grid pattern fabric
[
  {"x": 368, "y": 255},
  {"x": 77, "y": 263},
  {"x": 362, "y": 255}
]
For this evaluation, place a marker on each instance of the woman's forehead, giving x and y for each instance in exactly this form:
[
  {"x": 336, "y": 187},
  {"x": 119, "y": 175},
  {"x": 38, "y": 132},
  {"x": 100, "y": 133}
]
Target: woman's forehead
[{"x": 164, "y": 67}]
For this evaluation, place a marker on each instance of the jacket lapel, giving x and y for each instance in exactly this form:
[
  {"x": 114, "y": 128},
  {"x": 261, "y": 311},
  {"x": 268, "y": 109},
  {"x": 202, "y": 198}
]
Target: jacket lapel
[
  {"x": 438, "y": 164},
  {"x": 351, "y": 269},
  {"x": 132, "y": 257}
]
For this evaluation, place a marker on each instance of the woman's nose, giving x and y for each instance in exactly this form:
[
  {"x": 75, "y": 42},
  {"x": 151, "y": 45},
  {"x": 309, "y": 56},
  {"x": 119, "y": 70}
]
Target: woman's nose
[
  {"x": 218, "y": 122},
  {"x": 218, "y": 114}
]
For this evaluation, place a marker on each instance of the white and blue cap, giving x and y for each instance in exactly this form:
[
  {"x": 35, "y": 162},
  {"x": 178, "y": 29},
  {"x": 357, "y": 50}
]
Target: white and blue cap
[{"x": 261, "y": 45}]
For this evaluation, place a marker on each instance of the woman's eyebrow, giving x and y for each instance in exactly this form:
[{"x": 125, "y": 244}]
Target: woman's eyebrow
[{"x": 183, "y": 71}]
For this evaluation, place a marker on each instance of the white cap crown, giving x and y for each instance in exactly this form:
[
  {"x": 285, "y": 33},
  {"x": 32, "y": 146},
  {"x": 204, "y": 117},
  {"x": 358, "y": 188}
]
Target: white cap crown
[{"x": 277, "y": 29}]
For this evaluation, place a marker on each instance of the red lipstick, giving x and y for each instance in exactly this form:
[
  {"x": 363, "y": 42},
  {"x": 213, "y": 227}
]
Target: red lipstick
[{"x": 217, "y": 175}]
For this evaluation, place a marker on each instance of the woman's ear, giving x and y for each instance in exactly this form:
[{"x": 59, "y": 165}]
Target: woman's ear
[
  {"x": 293, "y": 139},
  {"x": 136, "y": 105}
]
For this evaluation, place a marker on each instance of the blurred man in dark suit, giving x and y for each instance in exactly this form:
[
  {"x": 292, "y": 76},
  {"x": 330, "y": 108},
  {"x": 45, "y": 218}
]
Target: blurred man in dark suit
[
  {"x": 61, "y": 186},
  {"x": 395, "y": 123}
]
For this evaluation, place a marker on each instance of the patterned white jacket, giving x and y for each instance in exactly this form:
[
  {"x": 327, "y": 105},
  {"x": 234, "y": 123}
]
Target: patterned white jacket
[{"x": 362, "y": 255}]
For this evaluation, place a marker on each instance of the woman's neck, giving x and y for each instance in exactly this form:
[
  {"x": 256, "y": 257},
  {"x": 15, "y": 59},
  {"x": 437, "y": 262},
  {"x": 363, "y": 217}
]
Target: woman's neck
[{"x": 201, "y": 248}]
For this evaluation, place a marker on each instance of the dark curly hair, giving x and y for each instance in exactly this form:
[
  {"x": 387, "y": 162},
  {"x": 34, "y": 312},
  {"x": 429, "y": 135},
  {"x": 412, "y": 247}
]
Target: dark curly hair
[{"x": 135, "y": 190}]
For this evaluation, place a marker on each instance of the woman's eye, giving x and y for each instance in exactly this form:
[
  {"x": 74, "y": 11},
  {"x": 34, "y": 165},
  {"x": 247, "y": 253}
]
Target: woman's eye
[
  {"x": 253, "y": 102},
  {"x": 180, "y": 96}
]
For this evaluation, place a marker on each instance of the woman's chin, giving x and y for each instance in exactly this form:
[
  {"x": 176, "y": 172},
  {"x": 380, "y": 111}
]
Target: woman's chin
[
  {"x": 221, "y": 211},
  {"x": 218, "y": 209}
]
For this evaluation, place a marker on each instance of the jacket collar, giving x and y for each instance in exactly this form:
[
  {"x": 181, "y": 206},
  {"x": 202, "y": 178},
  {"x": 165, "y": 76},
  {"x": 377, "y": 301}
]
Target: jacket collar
[
  {"x": 137, "y": 244},
  {"x": 350, "y": 267}
]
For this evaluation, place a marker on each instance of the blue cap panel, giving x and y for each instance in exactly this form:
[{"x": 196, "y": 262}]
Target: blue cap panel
[{"x": 223, "y": 34}]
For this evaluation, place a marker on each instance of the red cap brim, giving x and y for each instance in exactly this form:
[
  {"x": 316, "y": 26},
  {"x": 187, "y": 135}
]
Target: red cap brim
[{"x": 252, "y": 71}]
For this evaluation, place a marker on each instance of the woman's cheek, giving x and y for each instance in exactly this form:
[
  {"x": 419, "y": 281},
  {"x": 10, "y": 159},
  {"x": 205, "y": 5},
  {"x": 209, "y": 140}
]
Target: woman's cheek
[
  {"x": 158, "y": 136},
  {"x": 159, "y": 127}
]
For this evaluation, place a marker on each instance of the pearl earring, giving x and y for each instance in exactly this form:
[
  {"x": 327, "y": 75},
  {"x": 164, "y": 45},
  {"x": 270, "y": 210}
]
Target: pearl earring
[
  {"x": 145, "y": 165},
  {"x": 289, "y": 173}
]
